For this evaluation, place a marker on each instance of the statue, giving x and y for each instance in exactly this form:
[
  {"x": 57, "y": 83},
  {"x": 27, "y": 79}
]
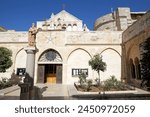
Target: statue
[{"x": 32, "y": 35}]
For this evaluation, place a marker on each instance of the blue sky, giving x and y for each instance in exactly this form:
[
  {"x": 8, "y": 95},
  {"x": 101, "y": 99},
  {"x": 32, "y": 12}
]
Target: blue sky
[{"x": 19, "y": 14}]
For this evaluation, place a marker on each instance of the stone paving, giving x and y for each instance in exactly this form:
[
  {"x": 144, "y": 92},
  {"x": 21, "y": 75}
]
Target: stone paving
[{"x": 52, "y": 92}]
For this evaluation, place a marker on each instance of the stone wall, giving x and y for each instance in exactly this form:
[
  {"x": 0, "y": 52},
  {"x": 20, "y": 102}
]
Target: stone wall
[
  {"x": 106, "y": 22},
  {"x": 119, "y": 20},
  {"x": 15, "y": 41},
  {"x": 138, "y": 27},
  {"x": 133, "y": 37},
  {"x": 76, "y": 49}
]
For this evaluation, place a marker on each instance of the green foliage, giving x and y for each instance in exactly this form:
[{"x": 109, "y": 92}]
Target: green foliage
[
  {"x": 5, "y": 59},
  {"x": 145, "y": 61},
  {"x": 82, "y": 79},
  {"x": 112, "y": 84},
  {"x": 15, "y": 80},
  {"x": 5, "y": 82},
  {"x": 88, "y": 84},
  {"x": 97, "y": 64},
  {"x": 84, "y": 83}
]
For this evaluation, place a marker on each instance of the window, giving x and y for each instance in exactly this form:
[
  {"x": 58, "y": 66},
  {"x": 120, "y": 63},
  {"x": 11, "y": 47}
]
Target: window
[
  {"x": 21, "y": 71},
  {"x": 77, "y": 72}
]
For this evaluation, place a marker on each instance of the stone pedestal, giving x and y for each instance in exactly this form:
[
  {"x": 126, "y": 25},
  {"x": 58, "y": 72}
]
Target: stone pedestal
[{"x": 24, "y": 93}]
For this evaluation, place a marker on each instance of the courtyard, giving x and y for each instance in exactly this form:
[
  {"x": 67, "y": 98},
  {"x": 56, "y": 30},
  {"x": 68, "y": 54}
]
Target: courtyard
[{"x": 69, "y": 92}]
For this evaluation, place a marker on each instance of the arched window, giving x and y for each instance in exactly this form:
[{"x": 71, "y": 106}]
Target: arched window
[
  {"x": 50, "y": 56},
  {"x": 69, "y": 28},
  {"x": 54, "y": 26},
  {"x": 74, "y": 27},
  {"x": 132, "y": 68},
  {"x": 64, "y": 26},
  {"x": 137, "y": 68},
  {"x": 59, "y": 26}
]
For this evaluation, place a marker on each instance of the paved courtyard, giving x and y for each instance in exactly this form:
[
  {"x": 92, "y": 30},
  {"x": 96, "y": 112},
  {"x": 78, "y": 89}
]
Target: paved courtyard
[{"x": 61, "y": 92}]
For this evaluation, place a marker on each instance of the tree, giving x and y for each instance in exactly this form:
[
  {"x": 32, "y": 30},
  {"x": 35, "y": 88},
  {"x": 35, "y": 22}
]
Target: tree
[
  {"x": 145, "y": 62},
  {"x": 5, "y": 59},
  {"x": 97, "y": 64}
]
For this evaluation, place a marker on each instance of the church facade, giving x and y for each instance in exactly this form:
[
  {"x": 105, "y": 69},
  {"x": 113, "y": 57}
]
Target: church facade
[{"x": 64, "y": 45}]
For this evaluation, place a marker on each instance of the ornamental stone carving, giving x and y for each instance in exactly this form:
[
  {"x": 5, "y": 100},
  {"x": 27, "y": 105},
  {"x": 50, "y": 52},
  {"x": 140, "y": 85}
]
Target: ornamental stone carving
[{"x": 50, "y": 56}]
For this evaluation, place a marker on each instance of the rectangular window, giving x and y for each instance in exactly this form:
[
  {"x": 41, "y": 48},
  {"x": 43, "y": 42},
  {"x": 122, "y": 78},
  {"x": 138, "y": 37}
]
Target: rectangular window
[
  {"x": 77, "y": 72},
  {"x": 21, "y": 71}
]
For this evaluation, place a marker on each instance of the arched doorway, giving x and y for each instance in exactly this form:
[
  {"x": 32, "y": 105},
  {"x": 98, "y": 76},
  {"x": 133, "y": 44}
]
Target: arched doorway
[{"x": 50, "y": 67}]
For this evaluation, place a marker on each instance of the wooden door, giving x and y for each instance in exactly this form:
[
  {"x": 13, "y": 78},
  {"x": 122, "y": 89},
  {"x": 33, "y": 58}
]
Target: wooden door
[
  {"x": 41, "y": 73},
  {"x": 59, "y": 73}
]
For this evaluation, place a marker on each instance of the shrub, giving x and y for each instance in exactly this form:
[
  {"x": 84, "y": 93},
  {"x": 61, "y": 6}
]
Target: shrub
[
  {"x": 7, "y": 82},
  {"x": 88, "y": 84},
  {"x": 15, "y": 79},
  {"x": 4, "y": 83},
  {"x": 113, "y": 84},
  {"x": 82, "y": 79}
]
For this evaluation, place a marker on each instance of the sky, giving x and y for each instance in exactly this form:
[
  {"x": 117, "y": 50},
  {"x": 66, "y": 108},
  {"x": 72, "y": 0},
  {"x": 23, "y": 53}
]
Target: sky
[{"x": 20, "y": 14}]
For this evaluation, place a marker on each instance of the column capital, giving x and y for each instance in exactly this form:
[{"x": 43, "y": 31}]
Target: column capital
[{"x": 30, "y": 50}]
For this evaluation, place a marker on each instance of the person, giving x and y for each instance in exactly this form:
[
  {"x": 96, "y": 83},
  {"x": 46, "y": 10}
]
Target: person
[{"x": 32, "y": 35}]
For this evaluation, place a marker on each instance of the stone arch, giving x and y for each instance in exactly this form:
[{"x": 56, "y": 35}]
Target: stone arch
[
  {"x": 76, "y": 62},
  {"x": 20, "y": 60},
  {"x": 50, "y": 65},
  {"x": 74, "y": 27},
  {"x": 79, "y": 49},
  {"x": 59, "y": 26},
  {"x": 113, "y": 62},
  {"x": 132, "y": 51},
  {"x": 111, "y": 49},
  {"x": 50, "y": 55},
  {"x": 64, "y": 26},
  {"x": 69, "y": 27}
]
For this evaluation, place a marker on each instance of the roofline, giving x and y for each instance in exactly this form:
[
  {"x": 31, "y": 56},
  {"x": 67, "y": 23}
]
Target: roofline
[
  {"x": 138, "y": 12},
  {"x": 69, "y": 14}
]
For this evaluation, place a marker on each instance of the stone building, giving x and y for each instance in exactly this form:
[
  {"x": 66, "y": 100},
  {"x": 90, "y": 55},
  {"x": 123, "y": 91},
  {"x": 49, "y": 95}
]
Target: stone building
[
  {"x": 118, "y": 20},
  {"x": 132, "y": 39},
  {"x": 64, "y": 45}
]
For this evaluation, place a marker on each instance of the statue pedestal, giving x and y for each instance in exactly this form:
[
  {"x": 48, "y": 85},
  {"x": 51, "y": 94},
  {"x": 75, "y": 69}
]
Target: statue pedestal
[
  {"x": 24, "y": 93},
  {"x": 27, "y": 86}
]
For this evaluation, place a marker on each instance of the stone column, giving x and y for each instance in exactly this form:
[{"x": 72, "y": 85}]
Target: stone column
[
  {"x": 30, "y": 64},
  {"x": 123, "y": 64}
]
